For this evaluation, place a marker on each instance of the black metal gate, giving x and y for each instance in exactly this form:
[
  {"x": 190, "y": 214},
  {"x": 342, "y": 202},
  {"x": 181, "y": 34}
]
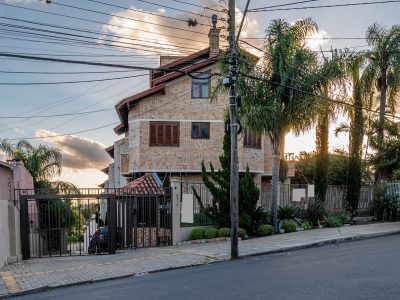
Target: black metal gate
[{"x": 92, "y": 221}]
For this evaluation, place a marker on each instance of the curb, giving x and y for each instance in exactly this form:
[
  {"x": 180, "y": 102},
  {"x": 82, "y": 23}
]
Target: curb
[{"x": 290, "y": 248}]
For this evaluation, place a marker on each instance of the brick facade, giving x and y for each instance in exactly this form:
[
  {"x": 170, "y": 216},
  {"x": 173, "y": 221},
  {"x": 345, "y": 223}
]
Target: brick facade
[{"x": 176, "y": 104}]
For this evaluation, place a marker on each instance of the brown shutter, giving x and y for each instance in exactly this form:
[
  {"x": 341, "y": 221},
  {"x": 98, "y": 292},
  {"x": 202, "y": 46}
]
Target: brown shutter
[
  {"x": 153, "y": 134},
  {"x": 168, "y": 134},
  {"x": 160, "y": 134},
  {"x": 175, "y": 135}
]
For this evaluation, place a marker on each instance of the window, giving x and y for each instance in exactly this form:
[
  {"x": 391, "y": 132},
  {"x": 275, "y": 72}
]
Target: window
[
  {"x": 201, "y": 86},
  {"x": 164, "y": 134},
  {"x": 200, "y": 130},
  {"x": 251, "y": 140}
]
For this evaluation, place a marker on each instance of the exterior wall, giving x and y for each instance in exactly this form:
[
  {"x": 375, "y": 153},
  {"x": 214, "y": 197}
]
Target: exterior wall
[
  {"x": 168, "y": 59},
  {"x": 12, "y": 176},
  {"x": 177, "y": 105},
  {"x": 5, "y": 177}
]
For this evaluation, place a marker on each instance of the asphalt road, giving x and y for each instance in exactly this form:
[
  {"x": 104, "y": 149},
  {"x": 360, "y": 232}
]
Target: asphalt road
[{"x": 367, "y": 269}]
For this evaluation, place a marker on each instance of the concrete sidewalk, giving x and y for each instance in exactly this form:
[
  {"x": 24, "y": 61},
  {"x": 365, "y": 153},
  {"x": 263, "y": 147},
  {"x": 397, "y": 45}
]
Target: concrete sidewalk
[{"x": 44, "y": 273}]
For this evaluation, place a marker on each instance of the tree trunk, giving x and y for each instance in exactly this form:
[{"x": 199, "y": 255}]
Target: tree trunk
[
  {"x": 322, "y": 159},
  {"x": 356, "y": 140},
  {"x": 277, "y": 153},
  {"x": 382, "y": 110}
]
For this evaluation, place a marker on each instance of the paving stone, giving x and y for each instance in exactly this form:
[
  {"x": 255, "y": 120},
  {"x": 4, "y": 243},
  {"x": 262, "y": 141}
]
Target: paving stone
[{"x": 58, "y": 271}]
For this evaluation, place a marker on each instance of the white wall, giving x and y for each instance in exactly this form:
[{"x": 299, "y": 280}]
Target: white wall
[{"x": 4, "y": 233}]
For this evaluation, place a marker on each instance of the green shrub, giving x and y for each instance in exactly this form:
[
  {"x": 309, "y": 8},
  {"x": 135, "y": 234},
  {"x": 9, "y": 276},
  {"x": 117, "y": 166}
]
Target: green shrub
[
  {"x": 315, "y": 211},
  {"x": 224, "y": 232},
  {"x": 265, "y": 229},
  {"x": 210, "y": 233},
  {"x": 333, "y": 221},
  {"x": 242, "y": 233},
  {"x": 307, "y": 225},
  {"x": 385, "y": 205},
  {"x": 289, "y": 225},
  {"x": 343, "y": 218},
  {"x": 287, "y": 212},
  {"x": 197, "y": 234}
]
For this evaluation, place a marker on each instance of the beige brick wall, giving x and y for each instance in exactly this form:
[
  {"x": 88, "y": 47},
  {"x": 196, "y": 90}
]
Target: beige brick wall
[{"x": 176, "y": 105}]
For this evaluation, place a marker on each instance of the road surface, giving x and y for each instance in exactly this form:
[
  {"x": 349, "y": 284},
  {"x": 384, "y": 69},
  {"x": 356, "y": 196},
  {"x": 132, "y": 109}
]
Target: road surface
[{"x": 367, "y": 269}]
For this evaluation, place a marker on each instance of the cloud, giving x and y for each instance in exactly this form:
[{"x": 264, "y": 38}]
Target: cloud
[
  {"x": 19, "y": 130},
  {"x": 78, "y": 153},
  {"x": 317, "y": 40},
  {"x": 170, "y": 41}
]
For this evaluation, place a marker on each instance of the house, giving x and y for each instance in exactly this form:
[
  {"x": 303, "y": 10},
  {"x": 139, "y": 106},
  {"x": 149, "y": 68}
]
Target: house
[
  {"x": 173, "y": 126},
  {"x": 13, "y": 176}
]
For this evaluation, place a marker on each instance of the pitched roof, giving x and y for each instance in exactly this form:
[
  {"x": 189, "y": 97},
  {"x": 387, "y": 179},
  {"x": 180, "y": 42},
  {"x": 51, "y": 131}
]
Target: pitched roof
[
  {"x": 110, "y": 150},
  {"x": 122, "y": 107},
  {"x": 148, "y": 184},
  {"x": 185, "y": 65}
]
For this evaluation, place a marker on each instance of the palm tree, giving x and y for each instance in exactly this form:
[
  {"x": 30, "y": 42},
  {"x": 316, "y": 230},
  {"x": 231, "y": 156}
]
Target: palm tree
[
  {"x": 329, "y": 76},
  {"x": 384, "y": 66},
  {"x": 42, "y": 162},
  {"x": 283, "y": 99},
  {"x": 358, "y": 81}
]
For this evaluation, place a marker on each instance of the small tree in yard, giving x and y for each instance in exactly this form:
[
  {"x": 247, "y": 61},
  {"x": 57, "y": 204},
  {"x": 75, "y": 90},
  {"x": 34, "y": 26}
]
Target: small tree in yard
[{"x": 218, "y": 183}]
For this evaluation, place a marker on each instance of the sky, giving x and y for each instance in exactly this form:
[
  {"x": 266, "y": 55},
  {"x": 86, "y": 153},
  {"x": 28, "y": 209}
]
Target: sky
[{"x": 106, "y": 31}]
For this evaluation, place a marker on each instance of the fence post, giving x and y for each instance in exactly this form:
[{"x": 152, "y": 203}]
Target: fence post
[
  {"x": 176, "y": 194},
  {"x": 112, "y": 224},
  {"x": 24, "y": 227}
]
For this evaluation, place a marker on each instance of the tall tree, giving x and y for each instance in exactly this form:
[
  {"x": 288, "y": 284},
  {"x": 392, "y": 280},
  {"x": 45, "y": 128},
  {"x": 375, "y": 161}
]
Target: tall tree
[
  {"x": 355, "y": 65},
  {"x": 218, "y": 183},
  {"x": 279, "y": 97},
  {"x": 384, "y": 65},
  {"x": 42, "y": 162},
  {"x": 328, "y": 78}
]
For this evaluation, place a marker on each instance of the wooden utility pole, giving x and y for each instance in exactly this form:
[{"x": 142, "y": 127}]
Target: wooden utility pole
[{"x": 234, "y": 184}]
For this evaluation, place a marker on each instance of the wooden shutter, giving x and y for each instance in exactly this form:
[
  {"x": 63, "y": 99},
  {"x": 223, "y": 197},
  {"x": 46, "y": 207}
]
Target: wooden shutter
[
  {"x": 164, "y": 134},
  {"x": 153, "y": 134},
  {"x": 175, "y": 135},
  {"x": 168, "y": 134}
]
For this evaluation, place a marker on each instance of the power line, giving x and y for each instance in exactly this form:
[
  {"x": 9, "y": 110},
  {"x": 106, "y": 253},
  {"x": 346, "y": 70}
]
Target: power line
[
  {"x": 261, "y": 9},
  {"x": 71, "y": 82},
  {"x": 58, "y": 115},
  {"x": 173, "y": 8},
  {"x": 91, "y": 31},
  {"x": 197, "y": 5},
  {"x": 111, "y": 124},
  {"x": 65, "y": 36},
  {"x": 96, "y": 22},
  {"x": 313, "y": 94},
  {"x": 65, "y": 73},
  {"x": 90, "y": 63},
  {"x": 126, "y": 18},
  {"x": 144, "y": 12}
]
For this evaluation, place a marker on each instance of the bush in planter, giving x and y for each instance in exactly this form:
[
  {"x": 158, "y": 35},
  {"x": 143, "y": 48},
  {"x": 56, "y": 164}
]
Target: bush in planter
[
  {"x": 265, "y": 229},
  {"x": 307, "y": 225},
  {"x": 224, "y": 232},
  {"x": 289, "y": 225},
  {"x": 197, "y": 234},
  {"x": 287, "y": 212},
  {"x": 210, "y": 233},
  {"x": 334, "y": 221},
  {"x": 242, "y": 233},
  {"x": 315, "y": 211}
]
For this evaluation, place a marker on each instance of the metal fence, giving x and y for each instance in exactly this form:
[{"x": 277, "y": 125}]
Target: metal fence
[
  {"x": 93, "y": 221},
  {"x": 299, "y": 195},
  {"x": 199, "y": 217}
]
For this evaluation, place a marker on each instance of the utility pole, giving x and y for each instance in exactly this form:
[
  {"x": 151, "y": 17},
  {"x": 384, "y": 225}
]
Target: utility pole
[{"x": 234, "y": 187}]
